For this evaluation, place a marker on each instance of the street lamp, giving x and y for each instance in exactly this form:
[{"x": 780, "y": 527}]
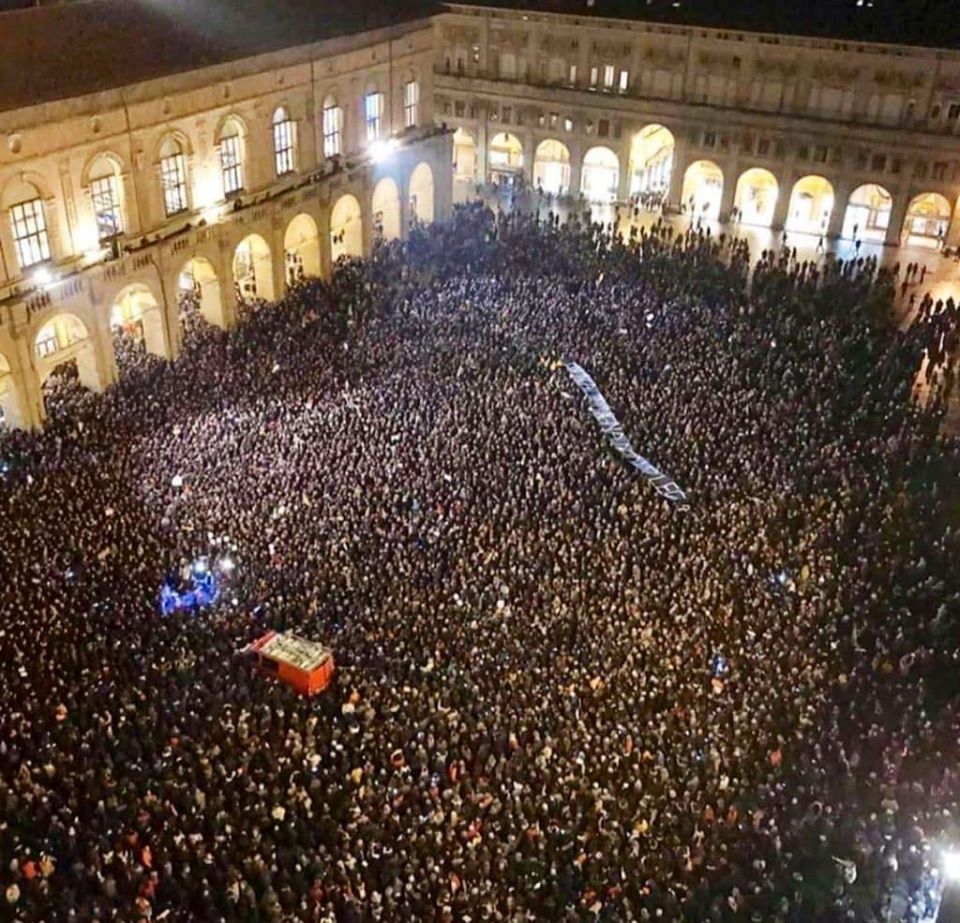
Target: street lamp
[{"x": 950, "y": 901}]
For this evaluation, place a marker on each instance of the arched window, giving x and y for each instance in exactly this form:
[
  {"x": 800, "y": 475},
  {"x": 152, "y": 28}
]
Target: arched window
[
  {"x": 332, "y": 128},
  {"x": 105, "y": 197},
  {"x": 28, "y": 224},
  {"x": 411, "y": 103},
  {"x": 373, "y": 114},
  {"x": 284, "y": 140},
  {"x": 173, "y": 177},
  {"x": 230, "y": 146}
]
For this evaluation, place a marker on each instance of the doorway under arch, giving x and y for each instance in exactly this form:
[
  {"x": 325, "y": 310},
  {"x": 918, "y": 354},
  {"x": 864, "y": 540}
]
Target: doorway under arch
[
  {"x": 199, "y": 293},
  {"x": 301, "y": 249},
  {"x": 702, "y": 190},
  {"x": 868, "y": 213},
  {"x": 600, "y": 175},
  {"x": 927, "y": 220},
  {"x": 505, "y": 158},
  {"x": 811, "y": 204},
  {"x": 253, "y": 269},
  {"x": 756, "y": 196},
  {"x": 11, "y": 416},
  {"x": 464, "y": 156},
  {"x": 346, "y": 228},
  {"x": 551, "y": 167},
  {"x": 64, "y": 341},
  {"x": 421, "y": 193},
  {"x": 137, "y": 318},
  {"x": 651, "y": 161},
  {"x": 385, "y": 207}
]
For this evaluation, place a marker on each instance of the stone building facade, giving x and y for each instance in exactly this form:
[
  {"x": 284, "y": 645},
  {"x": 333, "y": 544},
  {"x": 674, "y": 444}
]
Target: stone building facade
[
  {"x": 225, "y": 179},
  {"x": 820, "y": 136}
]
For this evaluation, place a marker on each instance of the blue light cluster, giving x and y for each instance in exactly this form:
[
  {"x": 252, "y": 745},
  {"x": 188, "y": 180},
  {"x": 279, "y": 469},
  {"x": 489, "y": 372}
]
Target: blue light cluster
[{"x": 199, "y": 592}]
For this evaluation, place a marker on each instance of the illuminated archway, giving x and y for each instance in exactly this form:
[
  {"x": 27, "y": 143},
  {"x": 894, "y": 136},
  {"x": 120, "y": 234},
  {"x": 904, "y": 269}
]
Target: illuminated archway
[
  {"x": 651, "y": 160},
  {"x": 346, "y": 228},
  {"x": 756, "y": 196},
  {"x": 928, "y": 217},
  {"x": 551, "y": 167},
  {"x": 464, "y": 156},
  {"x": 136, "y": 314},
  {"x": 10, "y": 409},
  {"x": 811, "y": 204},
  {"x": 868, "y": 213},
  {"x": 301, "y": 248},
  {"x": 505, "y": 157},
  {"x": 200, "y": 296},
  {"x": 702, "y": 190},
  {"x": 386, "y": 210},
  {"x": 253, "y": 269},
  {"x": 600, "y": 175},
  {"x": 421, "y": 193},
  {"x": 64, "y": 340}
]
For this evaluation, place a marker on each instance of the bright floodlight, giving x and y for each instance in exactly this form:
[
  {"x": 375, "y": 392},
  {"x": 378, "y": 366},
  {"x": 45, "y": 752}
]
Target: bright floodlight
[
  {"x": 42, "y": 276},
  {"x": 199, "y": 567},
  {"x": 380, "y": 150},
  {"x": 951, "y": 864},
  {"x": 226, "y": 565}
]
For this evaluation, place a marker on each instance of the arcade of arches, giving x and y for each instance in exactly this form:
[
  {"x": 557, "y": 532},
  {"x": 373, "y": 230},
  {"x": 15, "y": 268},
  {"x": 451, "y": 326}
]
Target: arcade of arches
[
  {"x": 199, "y": 278},
  {"x": 600, "y": 176},
  {"x": 927, "y": 221},
  {"x": 811, "y": 205},
  {"x": 505, "y": 157},
  {"x": 868, "y": 213},
  {"x": 464, "y": 156},
  {"x": 756, "y": 197},
  {"x": 64, "y": 340},
  {"x": 702, "y": 190}
]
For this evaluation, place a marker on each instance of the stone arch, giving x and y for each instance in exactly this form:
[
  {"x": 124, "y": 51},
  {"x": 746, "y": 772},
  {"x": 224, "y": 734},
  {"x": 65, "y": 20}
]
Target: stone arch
[
  {"x": 551, "y": 167},
  {"x": 173, "y": 140},
  {"x": 811, "y": 204},
  {"x": 464, "y": 156},
  {"x": 301, "y": 248},
  {"x": 420, "y": 194},
  {"x": 385, "y": 209},
  {"x": 702, "y": 190},
  {"x": 253, "y": 269},
  {"x": 651, "y": 160},
  {"x": 11, "y": 405},
  {"x": 755, "y": 197},
  {"x": 600, "y": 175},
  {"x": 346, "y": 228},
  {"x": 505, "y": 157},
  {"x": 136, "y": 313},
  {"x": 927, "y": 219},
  {"x": 200, "y": 291},
  {"x": 61, "y": 337},
  {"x": 868, "y": 213}
]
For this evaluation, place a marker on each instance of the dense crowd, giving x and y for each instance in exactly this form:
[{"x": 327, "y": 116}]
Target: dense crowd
[{"x": 558, "y": 695}]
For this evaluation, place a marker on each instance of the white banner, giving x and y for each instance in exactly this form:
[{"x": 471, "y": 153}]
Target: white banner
[{"x": 612, "y": 429}]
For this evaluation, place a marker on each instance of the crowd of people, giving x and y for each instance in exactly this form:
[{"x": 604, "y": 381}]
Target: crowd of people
[{"x": 559, "y": 696}]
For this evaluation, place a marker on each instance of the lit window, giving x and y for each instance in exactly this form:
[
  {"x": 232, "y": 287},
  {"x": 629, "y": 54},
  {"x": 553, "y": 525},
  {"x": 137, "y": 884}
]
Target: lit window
[
  {"x": 568, "y": 124},
  {"x": 594, "y": 76},
  {"x": 173, "y": 179},
  {"x": 30, "y": 233},
  {"x": 283, "y": 132},
  {"x": 231, "y": 164},
  {"x": 373, "y": 113},
  {"x": 332, "y": 129},
  {"x": 573, "y": 73},
  {"x": 411, "y": 103},
  {"x": 105, "y": 196},
  {"x": 609, "y": 72},
  {"x": 624, "y": 81}
]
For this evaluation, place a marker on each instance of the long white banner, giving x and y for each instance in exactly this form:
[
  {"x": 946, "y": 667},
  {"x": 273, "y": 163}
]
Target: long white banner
[{"x": 611, "y": 428}]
